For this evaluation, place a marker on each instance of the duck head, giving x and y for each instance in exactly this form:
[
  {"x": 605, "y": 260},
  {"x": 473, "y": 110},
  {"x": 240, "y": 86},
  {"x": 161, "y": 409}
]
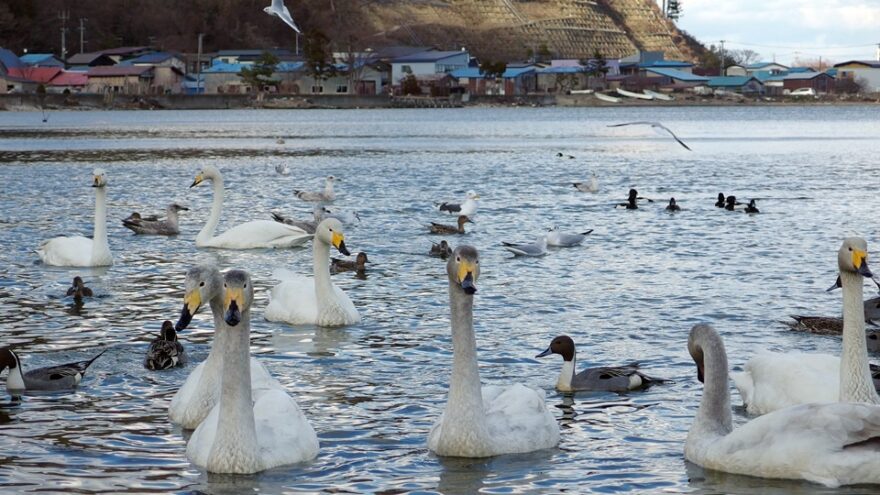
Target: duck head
[
  {"x": 361, "y": 260},
  {"x": 463, "y": 268},
  {"x": 167, "y": 332},
  {"x": 330, "y": 232},
  {"x": 203, "y": 283},
  {"x": 238, "y": 296},
  {"x": 633, "y": 194},
  {"x": 463, "y": 219},
  {"x": 562, "y": 345}
]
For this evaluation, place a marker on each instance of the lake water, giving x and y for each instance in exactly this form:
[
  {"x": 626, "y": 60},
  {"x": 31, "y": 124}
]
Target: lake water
[{"x": 372, "y": 391}]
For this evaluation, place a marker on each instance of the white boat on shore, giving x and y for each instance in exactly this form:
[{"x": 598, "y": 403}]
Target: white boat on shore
[
  {"x": 608, "y": 98},
  {"x": 630, "y": 94},
  {"x": 658, "y": 96},
  {"x": 581, "y": 91}
]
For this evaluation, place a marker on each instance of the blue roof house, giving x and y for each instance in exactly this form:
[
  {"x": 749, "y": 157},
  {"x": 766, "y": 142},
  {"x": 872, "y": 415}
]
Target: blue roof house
[
  {"x": 41, "y": 60},
  {"x": 428, "y": 64},
  {"x": 740, "y": 84}
]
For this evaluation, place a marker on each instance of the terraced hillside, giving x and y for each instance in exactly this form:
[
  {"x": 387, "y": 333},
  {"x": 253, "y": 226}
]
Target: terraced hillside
[{"x": 508, "y": 28}]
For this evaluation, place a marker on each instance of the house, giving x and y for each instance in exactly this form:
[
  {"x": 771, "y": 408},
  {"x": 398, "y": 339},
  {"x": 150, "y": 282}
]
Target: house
[
  {"x": 514, "y": 81},
  {"x": 820, "y": 81},
  {"x": 128, "y": 80},
  {"x": 9, "y": 60},
  {"x": 41, "y": 60},
  {"x": 667, "y": 64},
  {"x": 560, "y": 78},
  {"x": 39, "y": 75},
  {"x": 250, "y": 56},
  {"x": 169, "y": 69},
  {"x": 746, "y": 85},
  {"x": 735, "y": 70},
  {"x": 629, "y": 66},
  {"x": 426, "y": 65},
  {"x": 674, "y": 77},
  {"x": 223, "y": 78},
  {"x": 771, "y": 68},
  {"x": 13, "y": 84},
  {"x": 68, "y": 82},
  {"x": 125, "y": 52},
  {"x": 82, "y": 61},
  {"x": 866, "y": 72}
]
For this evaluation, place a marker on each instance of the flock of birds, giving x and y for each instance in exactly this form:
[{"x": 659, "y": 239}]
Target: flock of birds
[{"x": 819, "y": 415}]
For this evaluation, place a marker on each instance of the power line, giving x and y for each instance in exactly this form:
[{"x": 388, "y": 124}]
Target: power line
[{"x": 783, "y": 47}]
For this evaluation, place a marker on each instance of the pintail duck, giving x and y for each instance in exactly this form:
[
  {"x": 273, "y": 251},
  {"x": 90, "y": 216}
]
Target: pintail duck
[
  {"x": 62, "y": 377},
  {"x": 441, "y": 250},
  {"x": 338, "y": 265},
  {"x": 439, "y": 228}
]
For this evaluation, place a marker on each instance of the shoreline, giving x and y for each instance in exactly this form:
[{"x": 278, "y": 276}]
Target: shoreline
[{"x": 83, "y": 102}]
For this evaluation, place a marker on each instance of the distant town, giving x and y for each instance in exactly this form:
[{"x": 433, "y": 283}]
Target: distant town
[{"x": 418, "y": 71}]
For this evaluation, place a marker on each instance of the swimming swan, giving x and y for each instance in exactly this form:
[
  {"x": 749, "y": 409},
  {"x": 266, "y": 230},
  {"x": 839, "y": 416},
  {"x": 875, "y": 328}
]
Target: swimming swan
[
  {"x": 300, "y": 300},
  {"x": 832, "y": 444},
  {"x": 251, "y": 235},
  {"x": 773, "y": 380},
  {"x": 79, "y": 250},
  {"x": 201, "y": 391},
  {"x": 492, "y": 420},
  {"x": 242, "y": 435}
]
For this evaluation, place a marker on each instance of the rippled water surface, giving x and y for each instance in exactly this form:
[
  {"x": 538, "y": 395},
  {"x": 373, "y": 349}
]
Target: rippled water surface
[{"x": 372, "y": 391}]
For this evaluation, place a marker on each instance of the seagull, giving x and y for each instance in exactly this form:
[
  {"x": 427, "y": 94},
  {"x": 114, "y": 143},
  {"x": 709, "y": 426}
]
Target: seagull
[
  {"x": 561, "y": 239},
  {"x": 467, "y": 208},
  {"x": 657, "y": 126},
  {"x": 592, "y": 185},
  {"x": 282, "y": 169},
  {"x": 278, "y": 9},
  {"x": 537, "y": 248}
]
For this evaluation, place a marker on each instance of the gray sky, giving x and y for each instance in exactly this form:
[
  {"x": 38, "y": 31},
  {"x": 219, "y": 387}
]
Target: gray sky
[{"x": 788, "y": 28}]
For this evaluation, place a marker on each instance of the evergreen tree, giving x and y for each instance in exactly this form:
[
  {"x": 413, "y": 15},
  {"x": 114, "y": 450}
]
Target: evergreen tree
[{"x": 259, "y": 75}]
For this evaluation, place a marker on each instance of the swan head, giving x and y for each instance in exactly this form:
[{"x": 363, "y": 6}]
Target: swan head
[
  {"x": 167, "y": 333},
  {"x": 330, "y": 232},
  {"x": 562, "y": 345},
  {"x": 208, "y": 172},
  {"x": 238, "y": 295},
  {"x": 99, "y": 178},
  {"x": 853, "y": 257},
  {"x": 463, "y": 268},
  {"x": 703, "y": 336},
  {"x": 463, "y": 219},
  {"x": 203, "y": 283}
]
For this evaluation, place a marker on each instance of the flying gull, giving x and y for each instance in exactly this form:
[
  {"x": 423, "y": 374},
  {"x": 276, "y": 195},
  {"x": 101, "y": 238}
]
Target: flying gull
[
  {"x": 279, "y": 9},
  {"x": 655, "y": 125}
]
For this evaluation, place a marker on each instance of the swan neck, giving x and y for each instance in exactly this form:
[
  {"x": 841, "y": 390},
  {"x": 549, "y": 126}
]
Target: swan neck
[
  {"x": 856, "y": 384},
  {"x": 210, "y": 227},
  {"x": 99, "y": 235},
  {"x": 465, "y": 395},
  {"x": 321, "y": 269},
  {"x": 235, "y": 423},
  {"x": 714, "y": 416}
]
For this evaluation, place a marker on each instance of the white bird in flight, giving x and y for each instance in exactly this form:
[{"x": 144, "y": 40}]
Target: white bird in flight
[
  {"x": 278, "y": 9},
  {"x": 655, "y": 125}
]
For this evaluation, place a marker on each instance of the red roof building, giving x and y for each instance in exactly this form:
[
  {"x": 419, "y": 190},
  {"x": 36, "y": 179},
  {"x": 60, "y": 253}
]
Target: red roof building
[{"x": 39, "y": 75}]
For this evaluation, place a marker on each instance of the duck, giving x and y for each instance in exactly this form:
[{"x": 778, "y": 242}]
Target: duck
[
  {"x": 255, "y": 234},
  {"x": 194, "y": 400},
  {"x": 561, "y": 239},
  {"x": 135, "y": 217},
  {"x": 537, "y": 248},
  {"x": 441, "y": 250},
  {"x": 828, "y": 443},
  {"x": 772, "y": 381},
  {"x": 606, "y": 378},
  {"x": 324, "y": 196},
  {"x": 730, "y": 203},
  {"x": 672, "y": 206},
  {"x": 79, "y": 289},
  {"x": 467, "y": 208},
  {"x": 165, "y": 351},
  {"x": 338, "y": 265},
  {"x": 721, "y": 202},
  {"x": 489, "y": 420},
  {"x": 632, "y": 200},
  {"x": 299, "y": 300},
  {"x": 248, "y": 431},
  {"x": 560, "y": 155},
  {"x": 78, "y": 250},
  {"x": 590, "y": 186},
  {"x": 154, "y": 226},
  {"x": 752, "y": 207},
  {"x": 52, "y": 378},
  {"x": 439, "y": 228},
  {"x": 830, "y": 325}
]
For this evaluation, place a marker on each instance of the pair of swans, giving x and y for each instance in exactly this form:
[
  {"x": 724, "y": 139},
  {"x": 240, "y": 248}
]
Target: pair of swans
[
  {"x": 246, "y": 422},
  {"x": 773, "y": 381},
  {"x": 300, "y": 300},
  {"x": 251, "y": 235},
  {"x": 80, "y": 250},
  {"x": 491, "y": 420}
]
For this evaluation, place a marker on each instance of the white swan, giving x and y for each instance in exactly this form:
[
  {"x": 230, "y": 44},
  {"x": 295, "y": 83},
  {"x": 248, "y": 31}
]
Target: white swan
[
  {"x": 772, "y": 380},
  {"x": 300, "y": 300},
  {"x": 79, "y": 250},
  {"x": 242, "y": 436},
  {"x": 251, "y": 235},
  {"x": 492, "y": 420},
  {"x": 832, "y": 444},
  {"x": 201, "y": 391}
]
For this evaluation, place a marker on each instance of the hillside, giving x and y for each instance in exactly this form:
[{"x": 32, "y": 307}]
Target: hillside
[{"x": 488, "y": 28}]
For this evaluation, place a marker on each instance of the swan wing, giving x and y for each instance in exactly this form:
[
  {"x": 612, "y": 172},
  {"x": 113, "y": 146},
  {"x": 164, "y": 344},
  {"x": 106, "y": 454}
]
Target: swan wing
[
  {"x": 518, "y": 419},
  {"x": 284, "y": 434},
  {"x": 293, "y": 300},
  {"x": 66, "y": 251},
  {"x": 260, "y": 234},
  {"x": 833, "y": 444},
  {"x": 772, "y": 380}
]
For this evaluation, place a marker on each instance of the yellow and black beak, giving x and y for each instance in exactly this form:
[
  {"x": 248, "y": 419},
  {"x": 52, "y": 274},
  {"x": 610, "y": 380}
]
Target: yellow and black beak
[
  {"x": 97, "y": 181},
  {"x": 191, "y": 304},
  {"x": 860, "y": 261},
  {"x": 198, "y": 180},
  {"x": 232, "y": 306},
  {"x": 338, "y": 241},
  {"x": 467, "y": 277}
]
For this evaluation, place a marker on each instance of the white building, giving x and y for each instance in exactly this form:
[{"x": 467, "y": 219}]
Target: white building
[
  {"x": 427, "y": 63},
  {"x": 867, "y": 71}
]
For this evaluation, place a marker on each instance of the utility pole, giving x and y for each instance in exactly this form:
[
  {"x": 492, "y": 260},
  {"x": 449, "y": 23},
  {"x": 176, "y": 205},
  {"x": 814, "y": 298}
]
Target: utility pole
[
  {"x": 82, "y": 34},
  {"x": 199, "y": 66},
  {"x": 721, "y": 69},
  {"x": 64, "y": 16}
]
